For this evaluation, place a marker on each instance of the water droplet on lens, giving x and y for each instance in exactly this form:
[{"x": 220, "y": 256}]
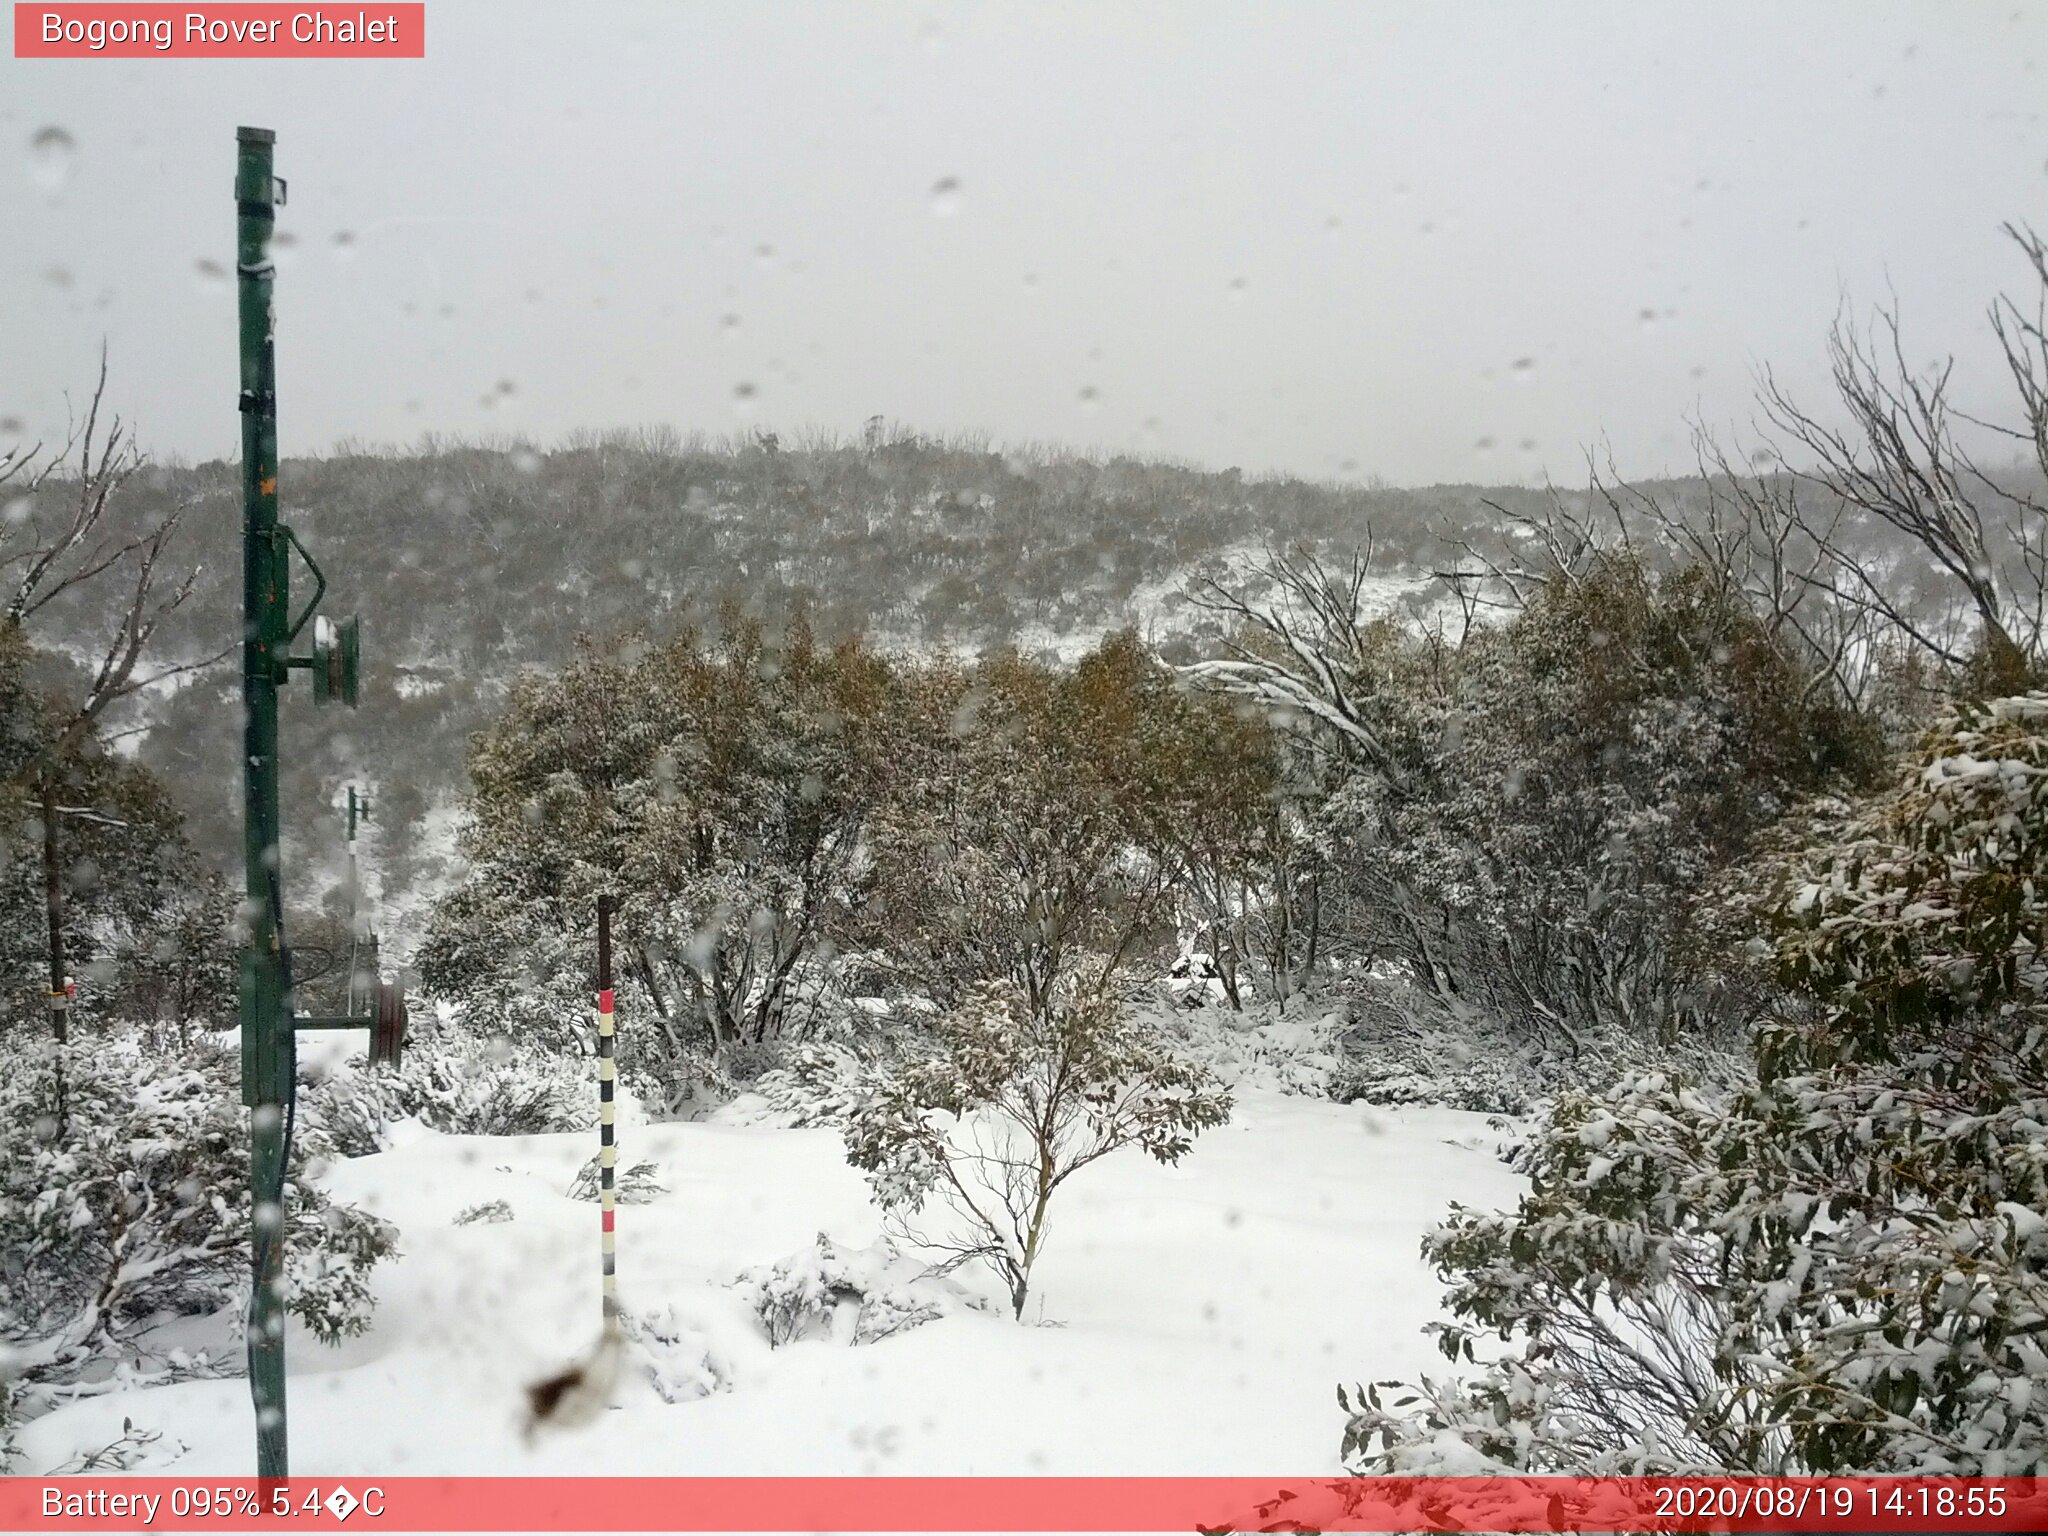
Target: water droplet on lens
[
  {"x": 209, "y": 270},
  {"x": 51, "y": 152},
  {"x": 945, "y": 197},
  {"x": 1522, "y": 369}
]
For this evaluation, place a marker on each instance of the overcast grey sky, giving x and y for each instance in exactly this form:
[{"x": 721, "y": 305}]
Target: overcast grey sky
[{"x": 1429, "y": 242}]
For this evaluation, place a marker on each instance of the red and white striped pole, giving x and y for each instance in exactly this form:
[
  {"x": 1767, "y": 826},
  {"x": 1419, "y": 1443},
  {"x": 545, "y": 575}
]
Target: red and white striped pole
[{"x": 607, "y": 1155}]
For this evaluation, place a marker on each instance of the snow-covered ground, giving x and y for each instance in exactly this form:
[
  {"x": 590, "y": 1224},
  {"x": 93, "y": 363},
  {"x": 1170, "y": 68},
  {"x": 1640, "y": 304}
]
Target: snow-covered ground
[{"x": 1195, "y": 1320}]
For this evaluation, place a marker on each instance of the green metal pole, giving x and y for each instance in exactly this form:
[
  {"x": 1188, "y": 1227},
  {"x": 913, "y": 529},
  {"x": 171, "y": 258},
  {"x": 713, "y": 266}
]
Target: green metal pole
[{"x": 267, "y": 1039}]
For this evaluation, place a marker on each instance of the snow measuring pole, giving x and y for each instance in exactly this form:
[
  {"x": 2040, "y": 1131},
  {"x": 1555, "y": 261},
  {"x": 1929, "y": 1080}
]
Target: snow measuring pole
[
  {"x": 269, "y": 1023},
  {"x": 607, "y": 1145}
]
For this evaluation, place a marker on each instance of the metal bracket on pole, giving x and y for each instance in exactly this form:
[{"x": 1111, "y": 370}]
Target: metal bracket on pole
[{"x": 319, "y": 581}]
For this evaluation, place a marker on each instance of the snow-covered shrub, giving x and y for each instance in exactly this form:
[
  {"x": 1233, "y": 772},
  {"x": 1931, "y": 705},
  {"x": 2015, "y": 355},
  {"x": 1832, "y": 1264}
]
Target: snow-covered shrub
[
  {"x": 1842, "y": 1267},
  {"x": 11, "y": 1392},
  {"x": 510, "y": 978},
  {"x": 1258, "y": 1047},
  {"x": 1399, "y": 1044},
  {"x": 636, "y": 1185},
  {"x": 132, "y": 1448},
  {"x": 1453, "y": 1081},
  {"x": 683, "y": 1076},
  {"x": 1379, "y": 1041},
  {"x": 1015, "y": 1101},
  {"x": 850, "y": 1296},
  {"x": 139, "y": 1212},
  {"x": 814, "y": 1085},
  {"x": 679, "y": 1359},
  {"x": 488, "y": 1213},
  {"x": 457, "y": 1083}
]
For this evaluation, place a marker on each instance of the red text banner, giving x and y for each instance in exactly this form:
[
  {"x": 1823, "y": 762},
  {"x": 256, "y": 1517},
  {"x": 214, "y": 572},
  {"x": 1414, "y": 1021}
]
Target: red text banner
[
  {"x": 978, "y": 1504},
  {"x": 117, "y": 31}
]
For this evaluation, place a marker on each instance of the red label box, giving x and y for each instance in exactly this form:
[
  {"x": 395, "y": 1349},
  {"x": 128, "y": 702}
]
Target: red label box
[
  {"x": 1007, "y": 1504},
  {"x": 119, "y": 31}
]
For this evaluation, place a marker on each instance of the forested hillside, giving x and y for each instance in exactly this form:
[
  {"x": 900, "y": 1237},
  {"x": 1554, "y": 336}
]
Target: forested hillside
[{"x": 472, "y": 563}]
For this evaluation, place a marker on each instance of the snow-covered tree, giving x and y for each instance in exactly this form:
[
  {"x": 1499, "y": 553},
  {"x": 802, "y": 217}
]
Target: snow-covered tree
[
  {"x": 1843, "y": 1268},
  {"x": 178, "y": 969},
  {"x": 1201, "y": 782},
  {"x": 1010, "y": 844},
  {"x": 1020, "y": 1095},
  {"x": 125, "y": 866},
  {"x": 774, "y": 815},
  {"x": 719, "y": 790},
  {"x": 1523, "y": 821},
  {"x": 69, "y": 538}
]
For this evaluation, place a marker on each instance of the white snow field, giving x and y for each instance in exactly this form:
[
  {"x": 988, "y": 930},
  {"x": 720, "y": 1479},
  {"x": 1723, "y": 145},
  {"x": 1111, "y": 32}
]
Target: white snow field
[{"x": 1196, "y": 1319}]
